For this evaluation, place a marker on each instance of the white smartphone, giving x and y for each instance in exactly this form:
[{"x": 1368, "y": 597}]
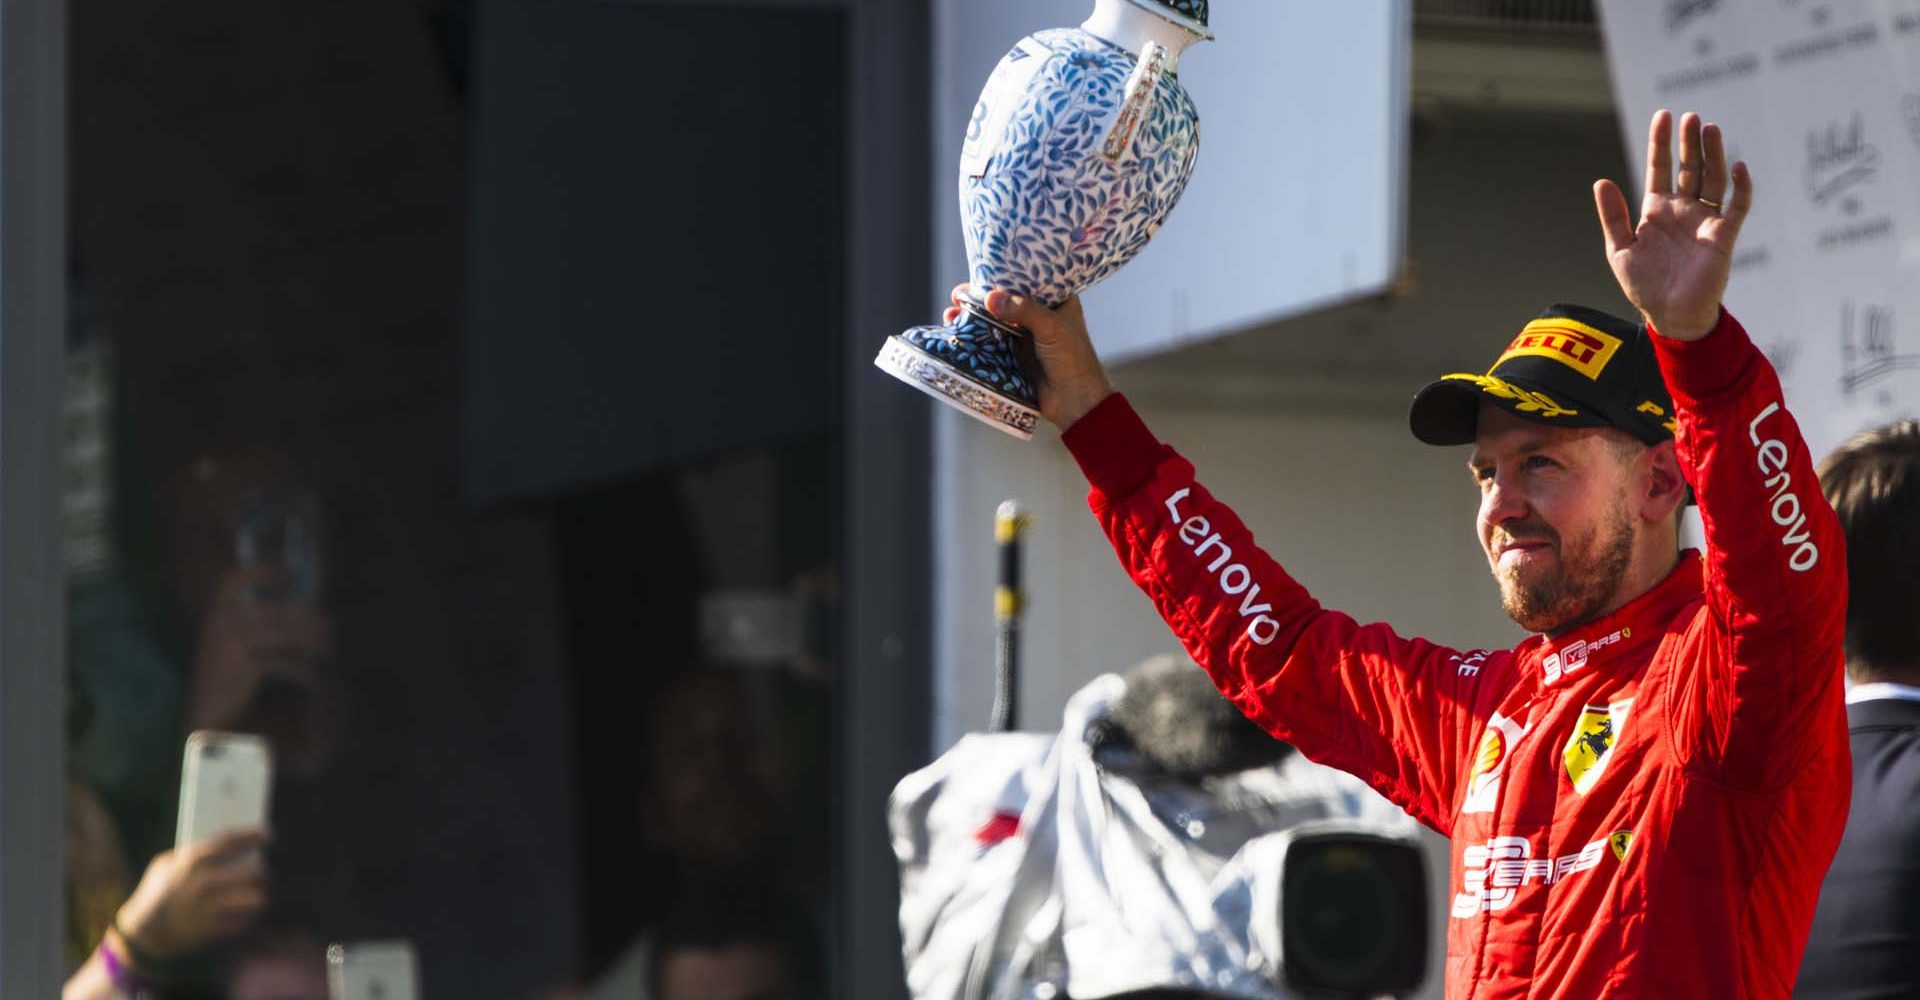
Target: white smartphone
[
  {"x": 372, "y": 970},
  {"x": 224, "y": 785}
]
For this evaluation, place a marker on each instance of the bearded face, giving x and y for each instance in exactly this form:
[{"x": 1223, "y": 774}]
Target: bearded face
[
  {"x": 1557, "y": 517},
  {"x": 1550, "y": 582}
]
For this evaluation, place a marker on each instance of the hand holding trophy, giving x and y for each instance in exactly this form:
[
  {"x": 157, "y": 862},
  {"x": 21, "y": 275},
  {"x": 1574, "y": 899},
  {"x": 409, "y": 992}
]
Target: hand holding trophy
[{"x": 1080, "y": 146}]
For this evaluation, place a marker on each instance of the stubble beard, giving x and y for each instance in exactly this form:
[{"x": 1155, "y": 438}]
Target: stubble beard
[{"x": 1582, "y": 582}]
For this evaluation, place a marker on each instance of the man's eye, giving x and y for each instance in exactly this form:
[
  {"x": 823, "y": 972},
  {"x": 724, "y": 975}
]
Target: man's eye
[
  {"x": 1539, "y": 462},
  {"x": 1482, "y": 473}
]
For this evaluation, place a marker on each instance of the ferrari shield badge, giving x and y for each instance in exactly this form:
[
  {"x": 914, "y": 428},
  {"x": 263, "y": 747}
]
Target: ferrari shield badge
[{"x": 1592, "y": 742}]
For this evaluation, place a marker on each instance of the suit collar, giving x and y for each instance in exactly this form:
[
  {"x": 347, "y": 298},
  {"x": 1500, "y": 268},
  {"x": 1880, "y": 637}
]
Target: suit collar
[
  {"x": 1616, "y": 638},
  {"x": 1883, "y": 712}
]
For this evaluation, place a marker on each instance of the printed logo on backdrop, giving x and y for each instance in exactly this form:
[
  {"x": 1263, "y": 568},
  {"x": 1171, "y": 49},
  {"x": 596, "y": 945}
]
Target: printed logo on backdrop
[
  {"x": 1869, "y": 354},
  {"x": 1842, "y": 169},
  {"x": 1682, "y": 13},
  {"x": 1826, "y": 42},
  {"x": 1830, "y": 43},
  {"x": 1682, "y": 16},
  {"x": 1753, "y": 253},
  {"x": 1781, "y": 354},
  {"x": 1748, "y": 258},
  {"x": 1839, "y": 160}
]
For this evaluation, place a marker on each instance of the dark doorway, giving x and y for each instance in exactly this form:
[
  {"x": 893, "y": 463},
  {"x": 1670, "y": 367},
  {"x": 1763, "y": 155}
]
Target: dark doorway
[{"x": 654, "y": 352}]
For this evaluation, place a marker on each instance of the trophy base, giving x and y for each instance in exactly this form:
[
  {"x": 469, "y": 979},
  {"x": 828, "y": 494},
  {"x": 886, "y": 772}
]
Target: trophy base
[{"x": 917, "y": 368}]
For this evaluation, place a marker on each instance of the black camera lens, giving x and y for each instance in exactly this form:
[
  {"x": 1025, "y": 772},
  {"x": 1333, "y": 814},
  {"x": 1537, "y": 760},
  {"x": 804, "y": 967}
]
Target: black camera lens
[{"x": 1354, "y": 920}]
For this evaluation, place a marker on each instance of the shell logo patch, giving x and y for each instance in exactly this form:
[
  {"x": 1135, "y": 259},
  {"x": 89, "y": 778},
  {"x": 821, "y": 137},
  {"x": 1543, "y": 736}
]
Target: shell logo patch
[
  {"x": 1490, "y": 763},
  {"x": 1570, "y": 342},
  {"x": 1591, "y": 744}
]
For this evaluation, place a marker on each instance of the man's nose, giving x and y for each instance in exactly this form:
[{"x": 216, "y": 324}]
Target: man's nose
[{"x": 1502, "y": 502}]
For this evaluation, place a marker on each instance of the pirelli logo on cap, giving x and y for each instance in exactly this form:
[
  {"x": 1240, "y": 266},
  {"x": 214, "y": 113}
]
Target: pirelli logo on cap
[{"x": 1570, "y": 342}]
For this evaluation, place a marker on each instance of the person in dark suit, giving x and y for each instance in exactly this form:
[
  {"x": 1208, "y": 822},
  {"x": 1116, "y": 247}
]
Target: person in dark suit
[{"x": 1866, "y": 932}]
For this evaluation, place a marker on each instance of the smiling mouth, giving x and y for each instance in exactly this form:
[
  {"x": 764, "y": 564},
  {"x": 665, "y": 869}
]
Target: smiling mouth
[{"x": 1519, "y": 549}]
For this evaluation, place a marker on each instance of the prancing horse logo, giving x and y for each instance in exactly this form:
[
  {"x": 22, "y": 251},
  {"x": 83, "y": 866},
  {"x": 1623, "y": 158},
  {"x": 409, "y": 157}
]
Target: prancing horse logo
[{"x": 1592, "y": 741}]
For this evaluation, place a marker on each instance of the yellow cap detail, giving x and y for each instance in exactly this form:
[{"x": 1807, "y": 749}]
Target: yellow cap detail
[
  {"x": 1525, "y": 400},
  {"x": 1654, "y": 409},
  {"x": 1006, "y": 602},
  {"x": 1570, "y": 342}
]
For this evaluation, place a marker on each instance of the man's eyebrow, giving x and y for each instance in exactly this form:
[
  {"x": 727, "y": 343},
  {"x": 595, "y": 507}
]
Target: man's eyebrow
[
  {"x": 1536, "y": 442},
  {"x": 1530, "y": 446}
]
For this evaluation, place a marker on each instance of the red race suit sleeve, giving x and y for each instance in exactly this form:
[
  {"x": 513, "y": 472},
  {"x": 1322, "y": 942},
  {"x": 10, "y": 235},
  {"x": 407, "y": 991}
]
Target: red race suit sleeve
[
  {"x": 1395, "y": 712},
  {"x": 1765, "y": 692}
]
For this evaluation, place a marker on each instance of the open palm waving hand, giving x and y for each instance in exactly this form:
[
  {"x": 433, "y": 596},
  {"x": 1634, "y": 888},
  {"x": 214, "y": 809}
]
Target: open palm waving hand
[{"x": 1674, "y": 265}]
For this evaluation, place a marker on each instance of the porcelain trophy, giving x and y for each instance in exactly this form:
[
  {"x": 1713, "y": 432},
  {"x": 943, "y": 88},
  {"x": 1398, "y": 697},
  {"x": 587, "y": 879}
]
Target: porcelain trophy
[{"x": 1080, "y": 145}]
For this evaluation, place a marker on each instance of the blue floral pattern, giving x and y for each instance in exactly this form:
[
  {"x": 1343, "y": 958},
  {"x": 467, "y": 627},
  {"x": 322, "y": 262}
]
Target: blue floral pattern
[
  {"x": 980, "y": 350},
  {"x": 1051, "y": 217},
  {"x": 1045, "y": 212}
]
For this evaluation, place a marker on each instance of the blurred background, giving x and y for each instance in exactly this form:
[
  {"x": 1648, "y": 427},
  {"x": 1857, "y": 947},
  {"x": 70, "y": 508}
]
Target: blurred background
[{"x": 475, "y": 398}]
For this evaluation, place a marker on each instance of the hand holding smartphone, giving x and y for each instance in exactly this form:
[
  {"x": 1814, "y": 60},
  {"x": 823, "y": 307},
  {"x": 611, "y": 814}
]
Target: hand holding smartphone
[{"x": 225, "y": 784}]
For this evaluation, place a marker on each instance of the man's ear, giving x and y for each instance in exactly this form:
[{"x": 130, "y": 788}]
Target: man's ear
[{"x": 1664, "y": 487}]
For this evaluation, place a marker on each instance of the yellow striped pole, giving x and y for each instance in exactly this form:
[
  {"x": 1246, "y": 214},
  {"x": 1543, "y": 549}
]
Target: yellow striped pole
[{"x": 1009, "y": 602}]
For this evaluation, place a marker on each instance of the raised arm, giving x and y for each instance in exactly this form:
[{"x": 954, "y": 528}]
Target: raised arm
[
  {"x": 1395, "y": 712},
  {"x": 1776, "y": 573}
]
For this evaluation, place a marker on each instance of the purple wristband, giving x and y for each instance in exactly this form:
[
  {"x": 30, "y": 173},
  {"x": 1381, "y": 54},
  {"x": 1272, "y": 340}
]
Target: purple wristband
[{"x": 122, "y": 977}]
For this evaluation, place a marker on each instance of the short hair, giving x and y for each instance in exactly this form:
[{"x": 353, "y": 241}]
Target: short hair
[
  {"x": 1873, "y": 483},
  {"x": 1625, "y": 446},
  {"x": 1628, "y": 448}
]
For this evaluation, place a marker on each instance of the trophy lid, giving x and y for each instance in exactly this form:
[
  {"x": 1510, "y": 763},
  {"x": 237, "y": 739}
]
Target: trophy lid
[{"x": 1189, "y": 14}]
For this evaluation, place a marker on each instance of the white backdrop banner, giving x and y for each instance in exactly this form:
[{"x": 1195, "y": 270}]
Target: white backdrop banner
[
  {"x": 1822, "y": 99},
  {"x": 1298, "y": 199}
]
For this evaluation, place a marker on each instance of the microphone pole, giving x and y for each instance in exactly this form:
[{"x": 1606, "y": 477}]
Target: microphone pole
[{"x": 1009, "y": 602}]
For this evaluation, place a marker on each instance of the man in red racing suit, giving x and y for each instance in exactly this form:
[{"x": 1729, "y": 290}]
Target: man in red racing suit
[{"x": 1643, "y": 797}]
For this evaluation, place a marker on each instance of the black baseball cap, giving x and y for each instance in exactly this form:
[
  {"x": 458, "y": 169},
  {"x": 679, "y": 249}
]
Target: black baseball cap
[{"x": 1571, "y": 367}]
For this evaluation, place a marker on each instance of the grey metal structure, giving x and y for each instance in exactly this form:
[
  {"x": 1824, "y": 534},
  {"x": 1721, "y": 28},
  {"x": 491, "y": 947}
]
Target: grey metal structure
[{"x": 32, "y": 615}]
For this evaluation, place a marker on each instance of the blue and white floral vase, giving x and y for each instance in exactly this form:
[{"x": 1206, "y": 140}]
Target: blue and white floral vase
[{"x": 1081, "y": 144}]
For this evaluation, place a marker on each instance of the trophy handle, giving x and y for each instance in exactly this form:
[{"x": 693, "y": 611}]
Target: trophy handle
[{"x": 1133, "y": 106}]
